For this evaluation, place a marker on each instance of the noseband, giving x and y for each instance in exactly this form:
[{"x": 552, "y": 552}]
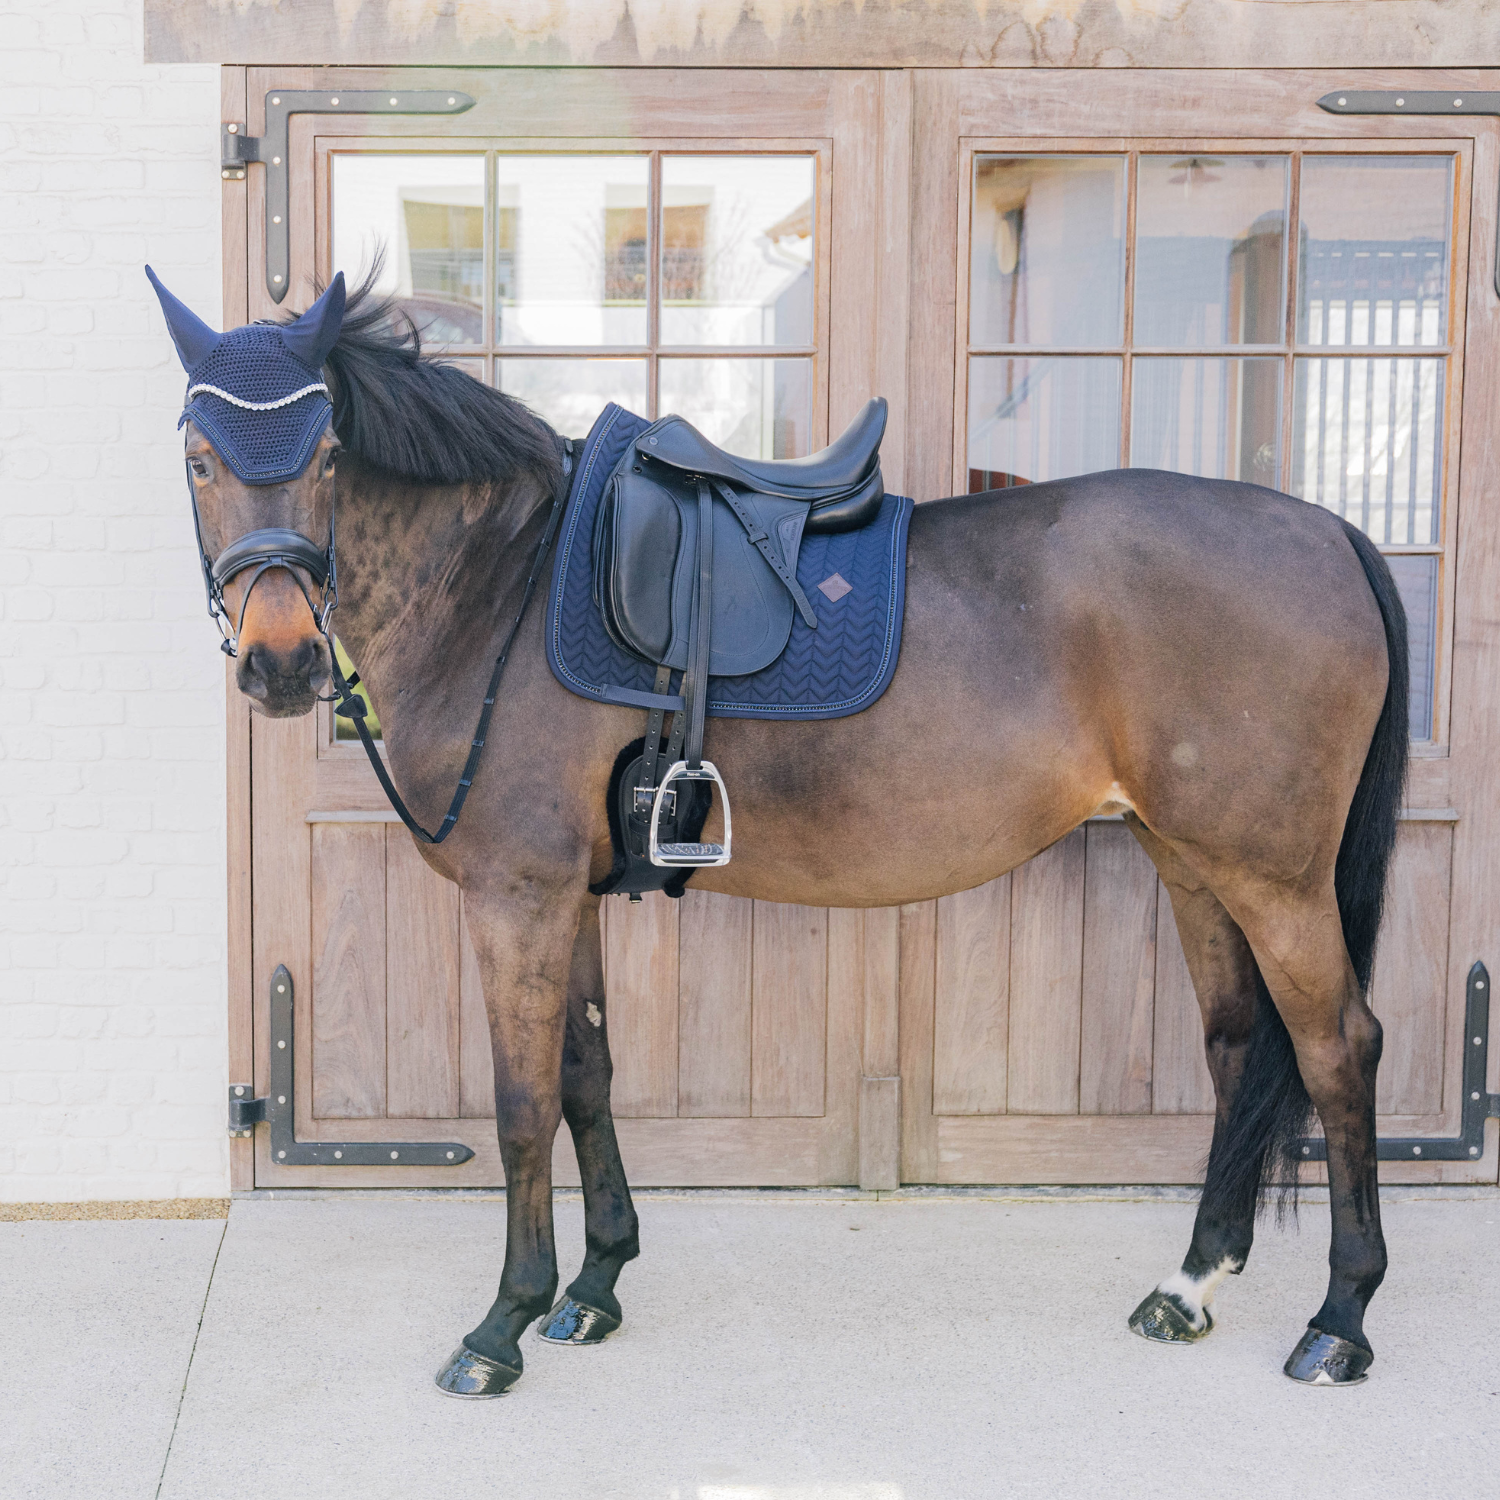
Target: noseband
[{"x": 269, "y": 547}]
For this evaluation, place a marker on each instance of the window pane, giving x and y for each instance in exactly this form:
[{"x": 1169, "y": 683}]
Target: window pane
[
  {"x": 1036, "y": 419},
  {"x": 737, "y": 249},
  {"x": 570, "y": 393},
  {"x": 1367, "y": 443},
  {"x": 427, "y": 214},
  {"x": 570, "y": 249},
  {"x": 1374, "y": 251},
  {"x": 1416, "y": 582},
  {"x": 757, "y": 408},
  {"x": 1210, "y": 250},
  {"x": 1047, "y": 258},
  {"x": 1219, "y": 418}
]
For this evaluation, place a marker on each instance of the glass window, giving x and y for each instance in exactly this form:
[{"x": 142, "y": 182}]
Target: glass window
[
  {"x": 1193, "y": 367},
  {"x": 569, "y": 393},
  {"x": 1219, "y": 418},
  {"x": 425, "y": 216},
  {"x": 1210, "y": 251},
  {"x": 758, "y": 408},
  {"x": 1036, "y": 419},
  {"x": 1374, "y": 250},
  {"x": 1047, "y": 252},
  {"x": 570, "y": 250},
  {"x": 737, "y": 250}
]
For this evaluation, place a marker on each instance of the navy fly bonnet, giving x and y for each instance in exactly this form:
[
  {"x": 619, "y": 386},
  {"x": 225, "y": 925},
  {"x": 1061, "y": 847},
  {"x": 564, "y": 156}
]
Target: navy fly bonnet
[{"x": 257, "y": 392}]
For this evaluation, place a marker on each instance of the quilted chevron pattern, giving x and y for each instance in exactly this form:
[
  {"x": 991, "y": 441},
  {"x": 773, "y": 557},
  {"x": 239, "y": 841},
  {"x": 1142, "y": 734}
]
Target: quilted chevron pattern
[{"x": 838, "y": 669}]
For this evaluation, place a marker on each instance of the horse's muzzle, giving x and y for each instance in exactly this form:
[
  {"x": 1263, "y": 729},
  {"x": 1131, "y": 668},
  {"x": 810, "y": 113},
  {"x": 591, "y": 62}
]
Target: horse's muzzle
[{"x": 284, "y": 683}]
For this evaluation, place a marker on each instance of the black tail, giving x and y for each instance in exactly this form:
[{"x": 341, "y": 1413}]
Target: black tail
[{"x": 1259, "y": 1144}]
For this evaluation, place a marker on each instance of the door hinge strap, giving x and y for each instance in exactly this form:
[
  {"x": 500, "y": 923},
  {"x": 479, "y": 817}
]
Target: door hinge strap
[
  {"x": 278, "y": 1110},
  {"x": 1478, "y": 1104},
  {"x": 238, "y": 148}
]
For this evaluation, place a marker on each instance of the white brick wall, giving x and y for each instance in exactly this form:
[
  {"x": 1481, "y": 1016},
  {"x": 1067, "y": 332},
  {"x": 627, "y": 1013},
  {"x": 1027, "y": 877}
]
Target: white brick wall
[{"x": 112, "y": 892}]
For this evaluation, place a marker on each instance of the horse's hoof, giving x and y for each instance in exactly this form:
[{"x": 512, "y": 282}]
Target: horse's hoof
[
  {"x": 1326, "y": 1359},
  {"x": 571, "y": 1322},
  {"x": 1164, "y": 1319},
  {"x": 473, "y": 1377}
]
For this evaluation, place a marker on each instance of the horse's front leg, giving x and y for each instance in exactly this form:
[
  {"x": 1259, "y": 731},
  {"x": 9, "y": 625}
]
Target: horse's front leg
[
  {"x": 588, "y": 1312},
  {"x": 523, "y": 941}
]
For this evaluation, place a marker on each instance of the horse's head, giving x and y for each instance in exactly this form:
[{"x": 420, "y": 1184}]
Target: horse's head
[{"x": 260, "y": 463}]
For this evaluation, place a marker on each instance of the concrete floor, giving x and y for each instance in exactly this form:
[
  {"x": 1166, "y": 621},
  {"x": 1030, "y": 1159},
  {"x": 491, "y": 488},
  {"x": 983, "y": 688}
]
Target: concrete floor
[{"x": 776, "y": 1347}]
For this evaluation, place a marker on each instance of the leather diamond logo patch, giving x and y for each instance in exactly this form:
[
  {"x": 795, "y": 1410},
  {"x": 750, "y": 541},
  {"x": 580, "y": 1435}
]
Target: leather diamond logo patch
[{"x": 834, "y": 587}]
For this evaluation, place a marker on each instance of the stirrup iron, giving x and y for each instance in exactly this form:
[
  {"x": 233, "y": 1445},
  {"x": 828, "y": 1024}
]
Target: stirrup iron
[{"x": 690, "y": 856}]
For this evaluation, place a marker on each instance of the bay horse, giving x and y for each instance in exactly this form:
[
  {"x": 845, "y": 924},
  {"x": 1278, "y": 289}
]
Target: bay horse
[{"x": 1224, "y": 665}]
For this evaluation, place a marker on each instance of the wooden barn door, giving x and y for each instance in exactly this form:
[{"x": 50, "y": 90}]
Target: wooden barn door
[
  {"x": 659, "y": 239},
  {"x": 1117, "y": 285}
]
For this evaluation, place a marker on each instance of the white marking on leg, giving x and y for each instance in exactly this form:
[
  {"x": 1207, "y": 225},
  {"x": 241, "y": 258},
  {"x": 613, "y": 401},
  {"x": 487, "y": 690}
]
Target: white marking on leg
[
  {"x": 1195, "y": 1295},
  {"x": 593, "y": 1013}
]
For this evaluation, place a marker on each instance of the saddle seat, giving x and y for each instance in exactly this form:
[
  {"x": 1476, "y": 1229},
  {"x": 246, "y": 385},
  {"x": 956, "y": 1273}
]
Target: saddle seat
[{"x": 842, "y": 483}]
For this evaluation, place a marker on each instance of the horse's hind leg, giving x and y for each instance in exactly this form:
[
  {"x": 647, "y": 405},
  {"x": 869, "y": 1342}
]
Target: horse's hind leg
[
  {"x": 1299, "y": 945},
  {"x": 588, "y": 1311},
  {"x": 1224, "y": 977}
]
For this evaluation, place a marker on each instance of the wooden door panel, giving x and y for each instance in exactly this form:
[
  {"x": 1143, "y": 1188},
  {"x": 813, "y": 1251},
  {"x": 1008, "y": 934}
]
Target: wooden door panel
[
  {"x": 349, "y": 971},
  {"x": 1046, "y": 969},
  {"x": 1411, "y": 972},
  {"x": 971, "y": 1010},
  {"x": 715, "y": 963},
  {"x": 789, "y": 1010},
  {"x": 641, "y": 980},
  {"x": 423, "y": 962},
  {"x": 1119, "y": 974}
]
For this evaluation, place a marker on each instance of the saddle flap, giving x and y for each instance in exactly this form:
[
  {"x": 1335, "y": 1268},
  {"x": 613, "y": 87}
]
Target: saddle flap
[{"x": 646, "y": 559}]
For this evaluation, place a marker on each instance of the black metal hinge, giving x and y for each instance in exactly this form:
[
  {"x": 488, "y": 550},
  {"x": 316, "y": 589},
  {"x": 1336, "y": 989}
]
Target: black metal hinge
[
  {"x": 1478, "y": 1105},
  {"x": 277, "y": 1110},
  {"x": 238, "y": 149},
  {"x": 1417, "y": 102}
]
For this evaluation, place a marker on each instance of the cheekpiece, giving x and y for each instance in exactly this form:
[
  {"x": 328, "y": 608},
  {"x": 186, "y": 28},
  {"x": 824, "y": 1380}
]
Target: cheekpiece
[{"x": 257, "y": 393}]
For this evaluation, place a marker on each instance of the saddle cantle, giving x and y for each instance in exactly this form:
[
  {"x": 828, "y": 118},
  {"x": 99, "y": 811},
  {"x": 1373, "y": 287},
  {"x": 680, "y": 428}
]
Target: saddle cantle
[{"x": 693, "y": 570}]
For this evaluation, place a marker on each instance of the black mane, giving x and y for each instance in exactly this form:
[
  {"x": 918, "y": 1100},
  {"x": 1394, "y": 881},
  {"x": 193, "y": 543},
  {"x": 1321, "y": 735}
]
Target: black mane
[{"x": 401, "y": 411}]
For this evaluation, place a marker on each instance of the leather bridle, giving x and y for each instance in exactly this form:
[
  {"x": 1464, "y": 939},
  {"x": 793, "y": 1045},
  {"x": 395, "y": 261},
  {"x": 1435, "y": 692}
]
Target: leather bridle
[
  {"x": 264, "y": 549},
  {"x": 278, "y": 547}
]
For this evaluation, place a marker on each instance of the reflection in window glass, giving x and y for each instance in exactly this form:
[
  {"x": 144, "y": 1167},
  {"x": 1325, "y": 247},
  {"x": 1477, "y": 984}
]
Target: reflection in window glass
[
  {"x": 1367, "y": 443},
  {"x": 1047, "y": 254},
  {"x": 1218, "y": 418},
  {"x": 427, "y": 214},
  {"x": 569, "y": 393},
  {"x": 570, "y": 250},
  {"x": 1416, "y": 582},
  {"x": 1210, "y": 250},
  {"x": 1374, "y": 250},
  {"x": 1036, "y": 419},
  {"x": 737, "y": 250},
  {"x": 757, "y": 408}
]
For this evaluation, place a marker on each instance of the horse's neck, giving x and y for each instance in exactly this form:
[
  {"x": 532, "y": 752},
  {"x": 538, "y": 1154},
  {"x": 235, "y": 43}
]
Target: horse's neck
[{"x": 426, "y": 576}]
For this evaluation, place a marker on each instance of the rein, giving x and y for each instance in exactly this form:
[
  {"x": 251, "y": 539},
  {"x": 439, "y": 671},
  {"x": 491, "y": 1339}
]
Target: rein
[{"x": 277, "y": 547}]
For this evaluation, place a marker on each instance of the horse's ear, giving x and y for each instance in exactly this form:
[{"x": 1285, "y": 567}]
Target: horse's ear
[
  {"x": 193, "y": 337},
  {"x": 315, "y": 333}
]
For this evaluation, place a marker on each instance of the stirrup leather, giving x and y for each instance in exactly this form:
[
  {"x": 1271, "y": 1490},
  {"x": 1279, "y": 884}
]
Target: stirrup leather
[{"x": 694, "y": 856}]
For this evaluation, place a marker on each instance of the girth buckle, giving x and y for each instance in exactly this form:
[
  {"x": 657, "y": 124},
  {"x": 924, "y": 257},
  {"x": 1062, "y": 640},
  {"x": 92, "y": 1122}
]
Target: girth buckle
[{"x": 688, "y": 856}]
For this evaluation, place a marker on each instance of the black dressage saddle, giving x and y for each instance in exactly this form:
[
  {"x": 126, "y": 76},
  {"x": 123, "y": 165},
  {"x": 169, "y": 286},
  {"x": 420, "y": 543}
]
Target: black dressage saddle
[{"x": 695, "y": 570}]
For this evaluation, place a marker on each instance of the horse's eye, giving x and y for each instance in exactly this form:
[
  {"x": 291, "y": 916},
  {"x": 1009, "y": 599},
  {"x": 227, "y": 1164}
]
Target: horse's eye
[
  {"x": 330, "y": 463},
  {"x": 198, "y": 467}
]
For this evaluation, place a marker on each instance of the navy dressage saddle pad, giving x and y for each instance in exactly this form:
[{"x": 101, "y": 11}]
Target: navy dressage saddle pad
[{"x": 856, "y": 581}]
